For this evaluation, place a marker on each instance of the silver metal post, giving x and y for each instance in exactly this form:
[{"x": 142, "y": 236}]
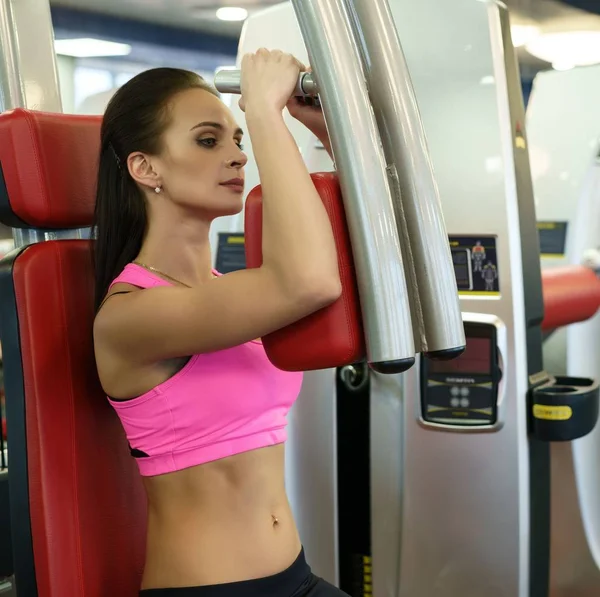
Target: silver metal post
[
  {"x": 436, "y": 310},
  {"x": 356, "y": 144},
  {"x": 10, "y": 81},
  {"x": 29, "y": 74},
  {"x": 27, "y": 236}
]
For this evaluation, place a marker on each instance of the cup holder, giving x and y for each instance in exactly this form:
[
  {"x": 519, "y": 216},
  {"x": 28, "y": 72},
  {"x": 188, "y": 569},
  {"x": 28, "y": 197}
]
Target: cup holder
[
  {"x": 566, "y": 409},
  {"x": 558, "y": 390}
]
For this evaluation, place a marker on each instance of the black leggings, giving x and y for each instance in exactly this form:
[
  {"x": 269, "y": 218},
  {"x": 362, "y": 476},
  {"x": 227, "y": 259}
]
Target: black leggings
[{"x": 295, "y": 581}]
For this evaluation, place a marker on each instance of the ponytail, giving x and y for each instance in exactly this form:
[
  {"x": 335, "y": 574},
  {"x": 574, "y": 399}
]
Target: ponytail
[{"x": 119, "y": 221}]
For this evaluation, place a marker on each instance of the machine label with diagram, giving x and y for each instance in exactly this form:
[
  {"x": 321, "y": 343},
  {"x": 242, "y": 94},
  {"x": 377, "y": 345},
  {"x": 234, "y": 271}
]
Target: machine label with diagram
[
  {"x": 553, "y": 238},
  {"x": 464, "y": 391},
  {"x": 475, "y": 265},
  {"x": 231, "y": 252}
]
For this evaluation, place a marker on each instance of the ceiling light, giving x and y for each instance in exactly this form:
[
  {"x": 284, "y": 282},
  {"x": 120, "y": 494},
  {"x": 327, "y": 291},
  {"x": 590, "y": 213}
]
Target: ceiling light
[
  {"x": 577, "y": 48},
  {"x": 87, "y": 47},
  {"x": 232, "y": 13},
  {"x": 561, "y": 65},
  {"x": 523, "y": 34}
]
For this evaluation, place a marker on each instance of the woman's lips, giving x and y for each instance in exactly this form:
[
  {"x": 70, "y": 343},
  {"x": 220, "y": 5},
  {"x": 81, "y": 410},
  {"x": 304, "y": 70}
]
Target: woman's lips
[{"x": 235, "y": 184}]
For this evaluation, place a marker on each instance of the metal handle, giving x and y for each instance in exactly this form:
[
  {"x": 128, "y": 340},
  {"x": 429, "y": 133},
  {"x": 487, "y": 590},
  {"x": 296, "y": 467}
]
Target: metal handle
[
  {"x": 334, "y": 55},
  {"x": 229, "y": 81},
  {"x": 437, "y": 319}
]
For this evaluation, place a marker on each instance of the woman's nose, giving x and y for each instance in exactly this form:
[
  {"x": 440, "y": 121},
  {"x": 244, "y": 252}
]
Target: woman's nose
[{"x": 238, "y": 161}]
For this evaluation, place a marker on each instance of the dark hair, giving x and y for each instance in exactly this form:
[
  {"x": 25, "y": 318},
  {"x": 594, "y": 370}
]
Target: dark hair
[{"x": 134, "y": 120}]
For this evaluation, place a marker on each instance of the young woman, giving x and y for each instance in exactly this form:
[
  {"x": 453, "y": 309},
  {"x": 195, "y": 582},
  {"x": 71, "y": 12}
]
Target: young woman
[{"x": 176, "y": 343}]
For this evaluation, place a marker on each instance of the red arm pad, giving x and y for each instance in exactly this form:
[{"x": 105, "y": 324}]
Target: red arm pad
[
  {"x": 331, "y": 337},
  {"x": 571, "y": 294}
]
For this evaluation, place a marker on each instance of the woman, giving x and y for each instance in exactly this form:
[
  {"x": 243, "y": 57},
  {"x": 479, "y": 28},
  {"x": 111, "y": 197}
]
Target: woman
[{"x": 203, "y": 409}]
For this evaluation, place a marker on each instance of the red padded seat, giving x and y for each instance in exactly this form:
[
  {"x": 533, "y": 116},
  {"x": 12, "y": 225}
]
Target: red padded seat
[{"x": 78, "y": 509}]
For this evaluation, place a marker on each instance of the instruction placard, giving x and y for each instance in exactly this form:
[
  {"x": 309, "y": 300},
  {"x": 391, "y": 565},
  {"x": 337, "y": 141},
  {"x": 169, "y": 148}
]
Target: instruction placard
[
  {"x": 231, "y": 254},
  {"x": 475, "y": 265},
  {"x": 553, "y": 238}
]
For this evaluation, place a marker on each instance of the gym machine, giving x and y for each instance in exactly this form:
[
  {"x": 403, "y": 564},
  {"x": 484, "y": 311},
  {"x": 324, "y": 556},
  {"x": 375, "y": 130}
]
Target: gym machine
[
  {"x": 438, "y": 480},
  {"x": 410, "y": 455},
  {"x": 48, "y": 230},
  {"x": 562, "y": 162},
  {"x": 566, "y": 178}
]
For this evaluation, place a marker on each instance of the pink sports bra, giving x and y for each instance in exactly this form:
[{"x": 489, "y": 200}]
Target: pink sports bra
[{"x": 220, "y": 404}]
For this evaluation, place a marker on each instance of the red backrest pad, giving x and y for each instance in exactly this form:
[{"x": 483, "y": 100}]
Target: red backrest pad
[
  {"x": 50, "y": 164},
  {"x": 87, "y": 501},
  {"x": 333, "y": 336}
]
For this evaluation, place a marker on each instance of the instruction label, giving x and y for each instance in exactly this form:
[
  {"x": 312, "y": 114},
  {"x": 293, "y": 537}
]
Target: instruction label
[
  {"x": 553, "y": 238},
  {"x": 231, "y": 253},
  {"x": 475, "y": 265}
]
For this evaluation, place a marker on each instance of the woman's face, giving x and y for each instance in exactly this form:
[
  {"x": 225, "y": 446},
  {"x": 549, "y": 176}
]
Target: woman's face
[{"x": 201, "y": 164}]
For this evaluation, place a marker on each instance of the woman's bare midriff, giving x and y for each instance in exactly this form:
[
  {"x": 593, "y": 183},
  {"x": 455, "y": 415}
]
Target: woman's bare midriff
[{"x": 225, "y": 521}]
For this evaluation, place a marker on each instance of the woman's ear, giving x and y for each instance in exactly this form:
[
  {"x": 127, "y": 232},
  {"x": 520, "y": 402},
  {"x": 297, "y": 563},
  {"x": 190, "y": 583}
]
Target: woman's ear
[{"x": 141, "y": 170}]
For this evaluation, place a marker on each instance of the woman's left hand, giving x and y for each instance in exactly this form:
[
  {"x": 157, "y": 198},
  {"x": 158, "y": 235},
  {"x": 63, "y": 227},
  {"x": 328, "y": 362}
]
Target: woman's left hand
[{"x": 311, "y": 116}]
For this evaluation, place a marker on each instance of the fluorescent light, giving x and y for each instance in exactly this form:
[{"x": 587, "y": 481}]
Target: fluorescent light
[
  {"x": 493, "y": 164},
  {"x": 87, "y": 47},
  {"x": 577, "y": 48},
  {"x": 232, "y": 13},
  {"x": 523, "y": 34},
  {"x": 488, "y": 80},
  {"x": 561, "y": 65}
]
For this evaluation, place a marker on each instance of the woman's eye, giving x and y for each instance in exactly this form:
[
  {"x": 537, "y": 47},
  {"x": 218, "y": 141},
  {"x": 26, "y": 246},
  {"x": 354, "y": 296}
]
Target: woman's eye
[{"x": 211, "y": 142}]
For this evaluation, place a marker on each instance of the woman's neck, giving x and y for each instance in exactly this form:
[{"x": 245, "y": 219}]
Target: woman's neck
[{"x": 182, "y": 250}]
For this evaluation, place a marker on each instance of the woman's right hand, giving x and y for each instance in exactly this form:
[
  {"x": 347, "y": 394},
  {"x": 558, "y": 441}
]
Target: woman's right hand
[{"x": 268, "y": 79}]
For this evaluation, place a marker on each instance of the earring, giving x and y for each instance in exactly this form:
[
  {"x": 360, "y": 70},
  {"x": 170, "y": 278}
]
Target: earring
[{"x": 157, "y": 189}]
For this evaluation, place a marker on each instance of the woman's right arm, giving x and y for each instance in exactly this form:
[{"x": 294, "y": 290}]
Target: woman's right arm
[
  {"x": 298, "y": 245},
  {"x": 299, "y": 274}
]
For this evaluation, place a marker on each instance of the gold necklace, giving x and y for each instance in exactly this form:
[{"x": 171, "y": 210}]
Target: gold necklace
[{"x": 156, "y": 271}]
